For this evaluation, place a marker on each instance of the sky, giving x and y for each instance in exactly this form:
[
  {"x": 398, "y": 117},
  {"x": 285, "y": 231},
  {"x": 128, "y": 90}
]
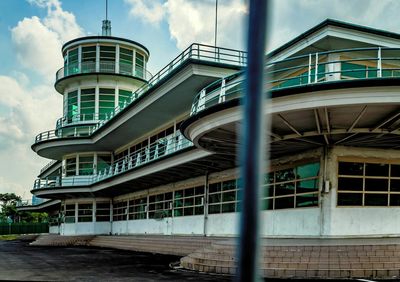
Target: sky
[{"x": 33, "y": 31}]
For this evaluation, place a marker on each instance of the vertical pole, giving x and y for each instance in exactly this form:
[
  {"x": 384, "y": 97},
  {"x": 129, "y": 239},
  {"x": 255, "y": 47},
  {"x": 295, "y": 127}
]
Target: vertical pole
[
  {"x": 216, "y": 23},
  {"x": 252, "y": 142},
  {"x": 379, "y": 62}
]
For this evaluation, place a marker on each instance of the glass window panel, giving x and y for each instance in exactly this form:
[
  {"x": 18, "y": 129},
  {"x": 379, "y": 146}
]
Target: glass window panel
[
  {"x": 395, "y": 185},
  {"x": 284, "y": 203},
  {"x": 353, "y": 184},
  {"x": 228, "y": 207},
  {"x": 376, "y": 184},
  {"x": 267, "y": 204},
  {"x": 285, "y": 175},
  {"x": 199, "y": 210},
  {"x": 214, "y": 209},
  {"x": 350, "y": 199},
  {"x": 376, "y": 169},
  {"x": 124, "y": 97},
  {"x": 178, "y": 212},
  {"x": 308, "y": 170},
  {"x": 214, "y": 198},
  {"x": 395, "y": 170},
  {"x": 346, "y": 168},
  {"x": 189, "y": 202},
  {"x": 376, "y": 200},
  {"x": 307, "y": 186},
  {"x": 188, "y": 211},
  {"x": 229, "y": 196},
  {"x": 284, "y": 189},
  {"x": 189, "y": 192},
  {"x": 268, "y": 190},
  {"x": 395, "y": 199},
  {"x": 229, "y": 185},
  {"x": 215, "y": 187},
  {"x": 307, "y": 200},
  {"x": 353, "y": 70}
]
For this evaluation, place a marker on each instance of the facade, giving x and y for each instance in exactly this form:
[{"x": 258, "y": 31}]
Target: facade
[{"x": 136, "y": 153}]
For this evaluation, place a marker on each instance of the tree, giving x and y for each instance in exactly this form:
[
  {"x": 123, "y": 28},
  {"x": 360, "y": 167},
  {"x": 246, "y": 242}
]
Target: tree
[{"x": 8, "y": 205}]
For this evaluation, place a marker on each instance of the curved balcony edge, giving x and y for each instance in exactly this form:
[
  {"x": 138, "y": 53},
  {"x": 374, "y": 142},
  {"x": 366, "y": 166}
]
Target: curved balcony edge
[
  {"x": 366, "y": 64},
  {"x": 87, "y": 68},
  {"x": 160, "y": 149}
]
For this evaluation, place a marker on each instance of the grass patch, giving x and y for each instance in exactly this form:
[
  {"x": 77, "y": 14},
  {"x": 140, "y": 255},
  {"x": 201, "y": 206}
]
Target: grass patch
[{"x": 8, "y": 237}]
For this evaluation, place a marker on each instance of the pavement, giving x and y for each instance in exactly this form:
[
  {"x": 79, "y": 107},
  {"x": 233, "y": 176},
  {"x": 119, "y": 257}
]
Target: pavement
[{"x": 21, "y": 262}]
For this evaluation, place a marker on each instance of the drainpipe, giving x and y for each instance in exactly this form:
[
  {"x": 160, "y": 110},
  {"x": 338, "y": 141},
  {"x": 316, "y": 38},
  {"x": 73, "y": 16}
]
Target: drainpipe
[{"x": 205, "y": 204}]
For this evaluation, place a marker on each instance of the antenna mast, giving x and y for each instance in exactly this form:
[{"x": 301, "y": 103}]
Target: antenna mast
[{"x": 106, "y": 28}]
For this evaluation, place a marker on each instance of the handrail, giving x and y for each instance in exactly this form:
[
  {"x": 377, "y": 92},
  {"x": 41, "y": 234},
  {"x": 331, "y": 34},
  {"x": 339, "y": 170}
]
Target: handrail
[
  {"x": 48, "y": 165},
  {"x": 201, "y": 52},
  {"x": 103, "y": 67},
  {"x": 160, "y": 148},
  {"x": 314, "y": 68}
]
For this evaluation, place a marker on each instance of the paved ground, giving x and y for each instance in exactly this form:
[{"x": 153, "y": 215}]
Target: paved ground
[{"x": 21, "y": 262}]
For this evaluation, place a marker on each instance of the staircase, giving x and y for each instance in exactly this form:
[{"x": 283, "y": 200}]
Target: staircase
[
  {"x": 62, "y": 241},
  {"x": 170, "y": 245},
  {"x": 304, "y": 261}
]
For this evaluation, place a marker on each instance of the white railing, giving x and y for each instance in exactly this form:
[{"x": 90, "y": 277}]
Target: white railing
[
  {"x": 316, "y": 68},
  {"x": 160, "y": 148}
]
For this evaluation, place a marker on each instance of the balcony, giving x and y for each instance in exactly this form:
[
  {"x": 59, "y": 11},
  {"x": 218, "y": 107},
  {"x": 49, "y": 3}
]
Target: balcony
[
  {"x": 103, "y": 67},
  {"x": 197, "y": 52},
  {"x": 159, "y": 149},
  {"x": 307, "y": 70}
]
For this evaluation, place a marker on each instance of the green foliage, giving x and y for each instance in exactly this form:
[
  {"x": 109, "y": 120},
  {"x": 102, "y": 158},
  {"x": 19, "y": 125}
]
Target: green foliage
[{"x": 8, "y": 203}]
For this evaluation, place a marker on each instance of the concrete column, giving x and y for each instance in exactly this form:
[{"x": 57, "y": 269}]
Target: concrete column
[
  {"x": 117, "y": 58},
  {"x": 333, "y": 67},
  {"x": 96, "y": 102},
  {"x": 76, "y": 212},
  {"x": 116, "y": 95},
  {"x": 80, "y": 58},
  {"x": 94, "y": 210},
  {"x": 97, "y": 57},
  {"x": 134, "y": 63},
  {"x": 79, "y": 100}
]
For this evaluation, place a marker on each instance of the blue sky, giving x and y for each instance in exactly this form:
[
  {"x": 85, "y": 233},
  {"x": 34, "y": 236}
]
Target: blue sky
[{"x": 32, "y": 32}]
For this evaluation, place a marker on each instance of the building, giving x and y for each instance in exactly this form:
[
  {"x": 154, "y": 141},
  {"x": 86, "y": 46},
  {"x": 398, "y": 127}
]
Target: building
[{"x": 137, "y": 153}]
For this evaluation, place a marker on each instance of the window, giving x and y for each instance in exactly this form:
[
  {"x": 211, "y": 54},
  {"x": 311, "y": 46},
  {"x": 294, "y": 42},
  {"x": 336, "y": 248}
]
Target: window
[
  {"x": 106, "y": 102},
  {"x": 137, "y": 208},
  {"x": 189, "y": 201},
  {"x": 71, "y": 107},
  {"x": 102, "y": 212},
  {"x": 125, "y": 61},
  {"x": 293, "y": 187},
  {"x": 124, "y": 97},
  {"x": 85, "y": 212},
  {"x": 88, "y": 59},
  {"x": 70, "y": 166},
  {"x": 160, "y": 205},
  {"x": 107, "y": 58},
  {"x": 368, "y": 184},
  {"x": 73, "y": 64},
  {"x": 120, "y": 211},
  {"x": 223, "y": 197},
  {"x": 139, "y": 65},
  {"x": 297, "y": 79},
  {"x": 69, "y": 213},
  {"x": 85, "y": 165},
  {"x": 103, "y": 162},
  {"x": 87, "y": 104}
]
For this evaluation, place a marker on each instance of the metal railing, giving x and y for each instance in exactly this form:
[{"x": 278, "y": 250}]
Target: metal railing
[
  {"x": 323, "y": 67},
  {"x": 160, "y": 148},
  {"x": 79, "y": 119},
  {"x": 103, "y": 67},
  {"x": 48, "y": 165},
  {"x": 195, "y": 51}
]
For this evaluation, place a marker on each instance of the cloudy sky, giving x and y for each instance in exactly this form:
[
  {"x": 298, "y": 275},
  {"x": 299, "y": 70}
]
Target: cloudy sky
[{"x": 33, "y": 31}]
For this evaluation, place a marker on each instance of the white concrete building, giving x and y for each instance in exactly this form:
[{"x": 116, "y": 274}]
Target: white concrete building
[{"x": 136, "y": 153}]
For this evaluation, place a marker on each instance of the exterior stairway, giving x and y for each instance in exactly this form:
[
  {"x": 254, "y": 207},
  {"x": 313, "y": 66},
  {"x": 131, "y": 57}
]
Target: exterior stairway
[
  {"x": 304, "y": 261},
  {"x": 171, "y": 245},
  {"x": 62, "y": 241}
]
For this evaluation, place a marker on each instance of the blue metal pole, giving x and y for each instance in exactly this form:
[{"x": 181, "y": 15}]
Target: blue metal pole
[{"x": 252, "y": 142}]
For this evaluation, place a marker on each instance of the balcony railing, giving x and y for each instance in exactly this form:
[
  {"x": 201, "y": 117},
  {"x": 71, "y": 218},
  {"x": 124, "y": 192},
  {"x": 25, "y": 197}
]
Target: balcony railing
[
  {"x": 316, "y": 68},
  {"x": 48, "y": 165},
  {"x": 79, "y": 119},
  {"x": 160, "y": 148},
  {"x": 195, "y": 51},
  {"x": 30, "y": 202},
  {"x": 103, "y": 67}
]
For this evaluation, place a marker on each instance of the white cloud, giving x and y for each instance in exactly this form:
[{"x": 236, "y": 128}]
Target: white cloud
[
  {"x": 193, "y": 21},
  {"x": 148, "y": 11},
  {"x": 28, "y": 108},
  {"x": 38, "y": 41}
]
